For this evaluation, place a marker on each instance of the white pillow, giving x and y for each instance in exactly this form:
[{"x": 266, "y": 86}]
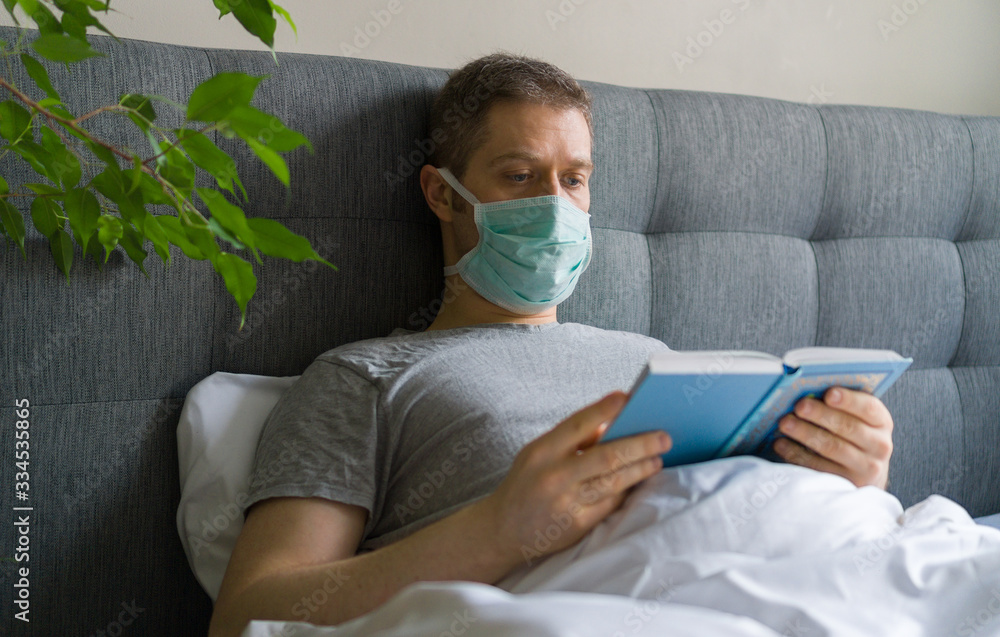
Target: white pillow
[{"x": 216, "y": 443}]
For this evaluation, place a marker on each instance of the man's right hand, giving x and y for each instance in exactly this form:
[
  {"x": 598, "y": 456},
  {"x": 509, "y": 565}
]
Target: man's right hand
[{"x": 566, "y": 479}]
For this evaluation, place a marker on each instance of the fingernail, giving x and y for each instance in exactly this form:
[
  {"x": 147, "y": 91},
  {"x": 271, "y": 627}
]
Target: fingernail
[
  {"x": 664, "y": 441},
  {"x": 835, "y": 395}
]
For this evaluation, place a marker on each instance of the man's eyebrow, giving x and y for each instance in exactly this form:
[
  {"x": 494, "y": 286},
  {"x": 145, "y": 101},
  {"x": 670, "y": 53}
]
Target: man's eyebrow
[{"x": 580, "y": 162}]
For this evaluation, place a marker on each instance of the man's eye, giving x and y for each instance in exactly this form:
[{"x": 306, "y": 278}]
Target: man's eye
[
  {"x": 519, "y": 178},
  {"x": 574, "y": 182}
]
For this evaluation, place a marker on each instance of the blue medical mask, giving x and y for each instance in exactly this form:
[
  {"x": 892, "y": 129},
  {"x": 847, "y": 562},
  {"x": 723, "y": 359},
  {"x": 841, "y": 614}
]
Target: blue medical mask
[{"x": 531, "y": 251}]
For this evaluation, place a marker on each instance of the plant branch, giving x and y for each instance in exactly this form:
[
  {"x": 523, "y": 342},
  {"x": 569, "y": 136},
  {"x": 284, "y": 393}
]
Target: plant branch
[
  {"x": 168, "y": 187},
  {"x": 177, "y": 141}
]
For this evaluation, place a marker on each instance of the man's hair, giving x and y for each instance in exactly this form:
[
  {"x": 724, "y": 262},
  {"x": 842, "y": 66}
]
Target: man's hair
[{"x": 458, "y": 116}]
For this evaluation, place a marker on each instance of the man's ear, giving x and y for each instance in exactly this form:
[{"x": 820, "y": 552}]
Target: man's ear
[{"x": 437, "y": 192}]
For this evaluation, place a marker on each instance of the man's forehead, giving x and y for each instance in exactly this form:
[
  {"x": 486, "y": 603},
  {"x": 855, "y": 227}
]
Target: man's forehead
[
  {"x": 529, "y": 155},
  {"x": 513, "y": 126}
]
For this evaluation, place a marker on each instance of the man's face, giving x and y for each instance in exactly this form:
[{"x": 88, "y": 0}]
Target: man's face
[{"x": 530, "y": 151}]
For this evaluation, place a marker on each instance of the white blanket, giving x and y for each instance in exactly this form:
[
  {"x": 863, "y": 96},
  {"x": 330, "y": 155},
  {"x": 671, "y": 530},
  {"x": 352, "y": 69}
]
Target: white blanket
[{"x": 738, "y": 546}]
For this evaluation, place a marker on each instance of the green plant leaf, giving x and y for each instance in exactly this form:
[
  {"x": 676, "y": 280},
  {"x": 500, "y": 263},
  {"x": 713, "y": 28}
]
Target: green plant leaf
[
  {"x": 251, "y": 123},
  {"x": 150, "y": 189},
  {"x": 256, "y": 17},
  {"x": 105, "y": 155},
  {"x": 42, "y": 17},
  {"x": 275, "y": 240},
  {"x": 222, "y": 6},
  {"x": 79, "y": 13},
  {"x": 131, "y": 241},
  {"x": 239, "y": 278},
  {"x": 9, "y": 5},
  {"x": 211, "y": 159},
  {"x": 284, "y": 15},
  {"x": 214, "y": 98},
  {"x": 175, "y": 234},
  {"x": 73, "y": 27},
  {"x": 202, "y": 237},
  {"x": 14, "y": 120},
  {"x": 225, "y": 235},
  {"x": 272, "y": 159},
  {"x": 39, "y": 75},
  {"x": 93, "y": 250},
  {"x": 153, "y": 231},
  {"x": 13, "y": 224},
  {"x": 63, "y": 164},
  {"x": 60, "y": 47},
  {"x": 178, "y": 170},
  {"x": 109, "y": 232},
  {"x": 45, "y": 189},
  {"x": 111, "y": 184},
  {"x": 83, "y": 211},
  {"x": 143, "y": 104},
  {"x": 4, "y": 188},
  {"x": 37, "y": 157},
  {"x": 45, "y": 216},
  {"x": 62, "y": 251},
  {"x": 229, "y": 216}
]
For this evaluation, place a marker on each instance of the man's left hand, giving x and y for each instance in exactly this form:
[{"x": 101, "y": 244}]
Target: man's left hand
[{"x": 848, "y": 433}]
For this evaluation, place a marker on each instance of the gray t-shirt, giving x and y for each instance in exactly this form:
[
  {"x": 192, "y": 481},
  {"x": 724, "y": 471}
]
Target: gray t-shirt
[{"x": 415, "y": 425}]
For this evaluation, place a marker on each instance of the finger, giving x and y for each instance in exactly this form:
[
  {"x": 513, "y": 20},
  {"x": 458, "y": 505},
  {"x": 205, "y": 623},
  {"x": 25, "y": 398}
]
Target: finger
[
  {"x": 616, "y": 456},
  {"x": 794, "y": 453},
  {"x": 589, "y": 515},
  {"x": 875, "y": 440},
  {"x": 822, "y": 442},
  {"x": 861, "y": 405},
  {"x": 617, "y": 481},
  {"x": 584, "y": 428}
]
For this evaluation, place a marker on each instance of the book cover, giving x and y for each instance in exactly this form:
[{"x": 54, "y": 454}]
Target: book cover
[{"x": 720, "y": 403}]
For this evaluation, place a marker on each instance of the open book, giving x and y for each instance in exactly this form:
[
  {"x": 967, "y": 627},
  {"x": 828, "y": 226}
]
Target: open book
[{"x": 724, "y": 403}]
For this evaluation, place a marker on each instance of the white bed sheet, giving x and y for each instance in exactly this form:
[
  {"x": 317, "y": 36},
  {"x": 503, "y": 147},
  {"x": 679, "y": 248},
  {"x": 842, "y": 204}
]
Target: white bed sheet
[{"x": 733, "y": 546}]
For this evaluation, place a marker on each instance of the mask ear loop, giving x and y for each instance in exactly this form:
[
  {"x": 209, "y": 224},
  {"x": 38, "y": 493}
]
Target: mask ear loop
[
  {"x": 469, "y": 197},
  {"x": 458, "y": 187}
]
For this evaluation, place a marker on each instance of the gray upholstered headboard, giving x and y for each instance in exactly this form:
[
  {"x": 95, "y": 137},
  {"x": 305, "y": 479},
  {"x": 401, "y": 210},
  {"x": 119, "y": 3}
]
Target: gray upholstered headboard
[{"x": 721, "y": 221}]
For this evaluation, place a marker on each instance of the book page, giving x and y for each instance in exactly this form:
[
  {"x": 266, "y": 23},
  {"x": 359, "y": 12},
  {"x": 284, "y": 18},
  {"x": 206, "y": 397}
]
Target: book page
[
  {"x": 714, "y": 362},
  {"x": 817, "y": 355}
]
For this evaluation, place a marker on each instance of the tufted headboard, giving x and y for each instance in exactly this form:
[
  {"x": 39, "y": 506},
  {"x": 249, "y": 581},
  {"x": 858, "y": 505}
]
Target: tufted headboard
[{"x": 720, "y": 221}]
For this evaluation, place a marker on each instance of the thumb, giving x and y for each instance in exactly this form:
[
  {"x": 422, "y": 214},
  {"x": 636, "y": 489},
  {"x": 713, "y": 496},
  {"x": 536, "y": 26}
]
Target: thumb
[{"x": 584, "y": 428}]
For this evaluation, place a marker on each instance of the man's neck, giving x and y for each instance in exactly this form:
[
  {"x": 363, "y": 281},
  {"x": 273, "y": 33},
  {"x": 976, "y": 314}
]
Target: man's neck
[{"x": 462, "y": 307}]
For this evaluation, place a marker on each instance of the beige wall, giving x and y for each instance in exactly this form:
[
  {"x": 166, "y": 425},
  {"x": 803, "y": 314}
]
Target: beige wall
[{"x": 941, "y": 55}]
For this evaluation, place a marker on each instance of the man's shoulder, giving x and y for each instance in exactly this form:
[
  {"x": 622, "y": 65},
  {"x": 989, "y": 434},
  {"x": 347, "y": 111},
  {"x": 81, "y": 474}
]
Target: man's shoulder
[{"x": 609, "y": 335}]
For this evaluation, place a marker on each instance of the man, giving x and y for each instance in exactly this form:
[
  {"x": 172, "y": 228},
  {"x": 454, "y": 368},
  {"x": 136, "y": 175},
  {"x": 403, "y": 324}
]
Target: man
[{"x": 432, "y": 454}]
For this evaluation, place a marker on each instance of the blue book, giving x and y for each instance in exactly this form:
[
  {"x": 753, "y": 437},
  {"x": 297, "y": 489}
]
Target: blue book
[{"x": 723, "y": 403}]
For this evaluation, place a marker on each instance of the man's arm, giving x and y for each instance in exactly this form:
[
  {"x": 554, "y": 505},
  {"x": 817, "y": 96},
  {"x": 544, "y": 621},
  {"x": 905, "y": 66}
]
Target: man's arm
[
  {"x": 294, "y": 559},
  {"x": 848, "y": 433}
]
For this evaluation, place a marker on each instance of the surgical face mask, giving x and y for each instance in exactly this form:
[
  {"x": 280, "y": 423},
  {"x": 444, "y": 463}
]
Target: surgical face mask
[{"x": 531, "y": 251}]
